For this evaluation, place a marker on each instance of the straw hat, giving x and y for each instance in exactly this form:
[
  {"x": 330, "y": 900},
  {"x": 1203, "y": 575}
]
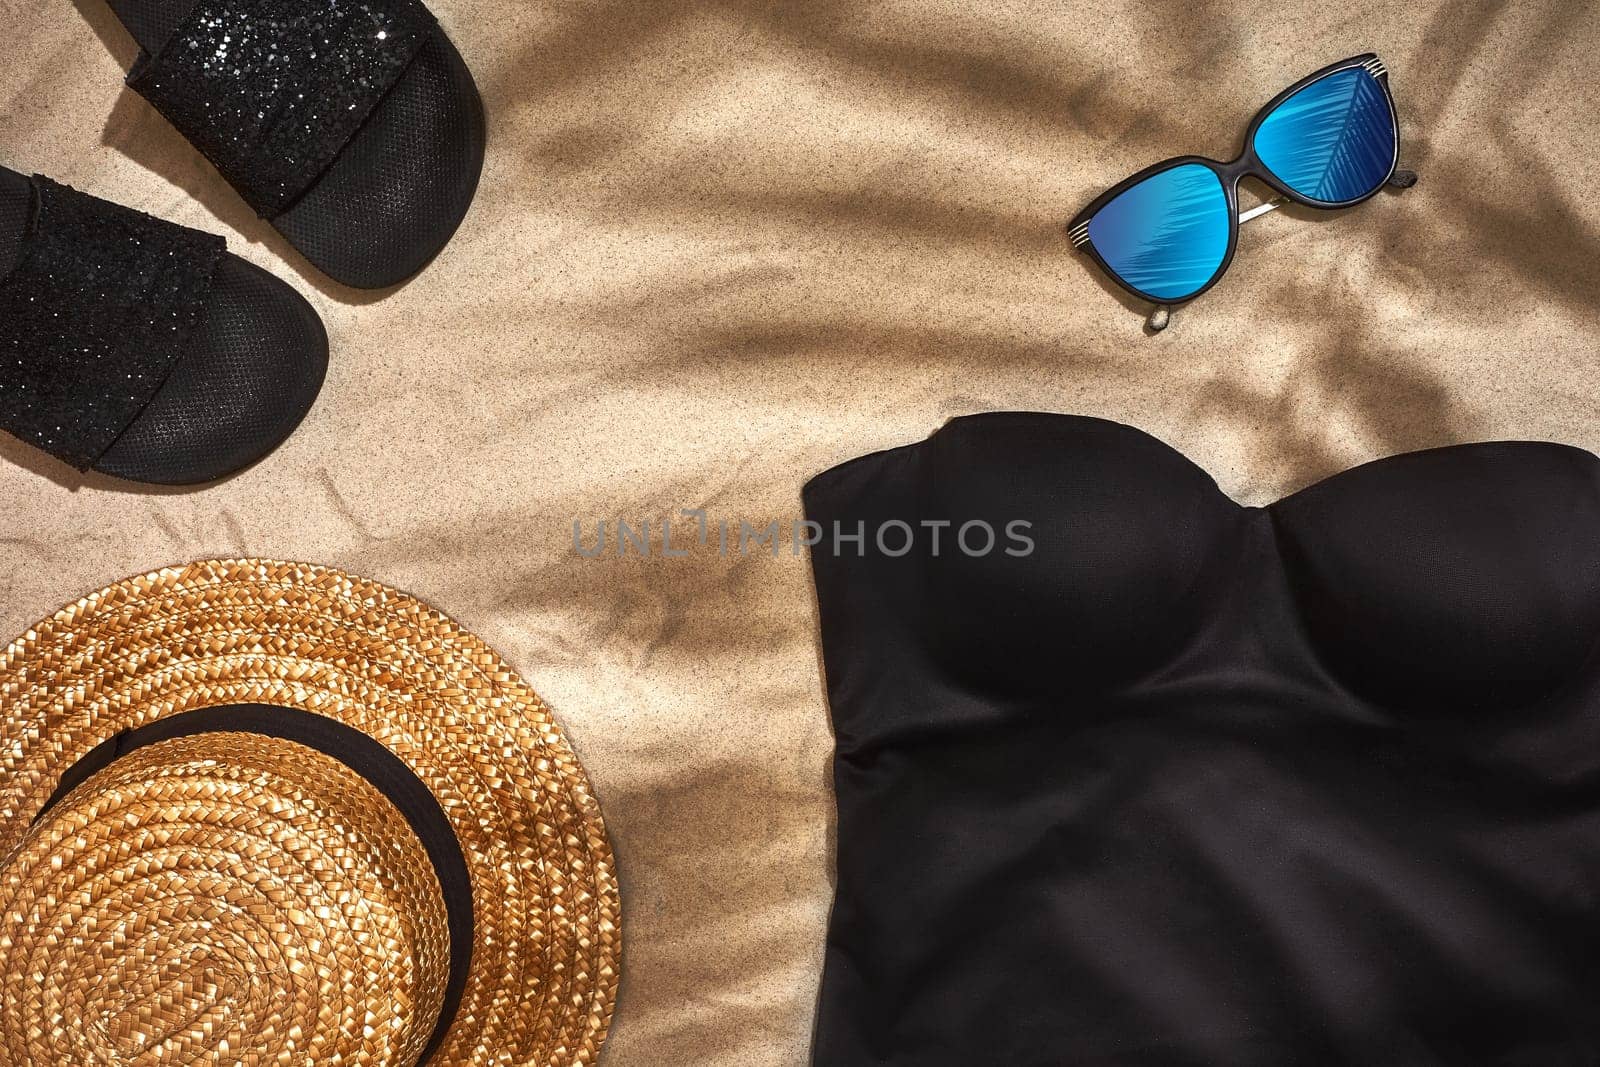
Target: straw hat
[{"x": 267, "y": 813}]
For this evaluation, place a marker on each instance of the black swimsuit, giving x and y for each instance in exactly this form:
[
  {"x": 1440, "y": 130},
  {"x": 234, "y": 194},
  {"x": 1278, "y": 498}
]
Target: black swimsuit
[{"x": 1194, "y": 783}]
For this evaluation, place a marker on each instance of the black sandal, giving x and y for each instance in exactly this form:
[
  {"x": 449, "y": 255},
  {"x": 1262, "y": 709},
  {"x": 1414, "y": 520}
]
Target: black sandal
[
  {"x": 142, "y": 349},
  {"x": 352, "y": 126}
]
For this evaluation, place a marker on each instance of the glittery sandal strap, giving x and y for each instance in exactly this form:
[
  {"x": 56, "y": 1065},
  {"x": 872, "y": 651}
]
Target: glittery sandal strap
[
  {"x": 272, "y": 90},
  {"x": 97, "y": 310}
]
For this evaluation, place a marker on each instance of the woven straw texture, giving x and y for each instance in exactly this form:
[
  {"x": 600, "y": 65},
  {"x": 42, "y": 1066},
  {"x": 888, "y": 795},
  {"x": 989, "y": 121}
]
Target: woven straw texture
[
  {"x": 223, "y": 896},
  {"x": 254, "y": 902}
]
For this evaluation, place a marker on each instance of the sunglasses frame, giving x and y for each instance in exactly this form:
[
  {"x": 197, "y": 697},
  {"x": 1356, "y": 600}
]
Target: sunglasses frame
[{"x": 1246, "y": 163}]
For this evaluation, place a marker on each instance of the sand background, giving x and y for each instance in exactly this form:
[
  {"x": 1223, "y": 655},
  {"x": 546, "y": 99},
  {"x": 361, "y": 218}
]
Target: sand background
[{"x": 721, "y": 245}]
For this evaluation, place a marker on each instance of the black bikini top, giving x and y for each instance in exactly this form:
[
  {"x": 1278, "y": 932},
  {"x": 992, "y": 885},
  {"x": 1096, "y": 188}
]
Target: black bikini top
[{"x": 1185, "y": 782}]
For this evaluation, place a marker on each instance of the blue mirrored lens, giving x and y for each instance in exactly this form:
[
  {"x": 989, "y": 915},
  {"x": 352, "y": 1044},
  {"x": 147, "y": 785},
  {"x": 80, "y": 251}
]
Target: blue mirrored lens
[
  {"x": 1167, "y": 235},
  {"x": 1332, "y": 141}
]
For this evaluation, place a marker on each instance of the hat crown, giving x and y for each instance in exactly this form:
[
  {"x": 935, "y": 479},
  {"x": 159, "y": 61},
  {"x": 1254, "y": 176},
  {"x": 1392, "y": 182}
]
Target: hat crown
[{"x": 216, "y": 891}]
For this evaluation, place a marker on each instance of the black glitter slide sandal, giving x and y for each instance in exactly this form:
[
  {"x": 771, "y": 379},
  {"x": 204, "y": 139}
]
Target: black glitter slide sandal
[
  {"x": 352, "y": 126},
  {"x": 143, "y": 349}
]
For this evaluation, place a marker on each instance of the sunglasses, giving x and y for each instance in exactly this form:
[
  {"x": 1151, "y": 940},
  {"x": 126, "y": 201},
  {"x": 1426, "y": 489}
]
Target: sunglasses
[{"x": 1168, "y": 233}]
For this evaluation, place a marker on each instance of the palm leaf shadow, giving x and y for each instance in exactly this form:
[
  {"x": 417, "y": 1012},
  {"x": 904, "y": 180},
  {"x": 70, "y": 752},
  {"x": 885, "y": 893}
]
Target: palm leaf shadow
[{"x": 1332, "y": 140}]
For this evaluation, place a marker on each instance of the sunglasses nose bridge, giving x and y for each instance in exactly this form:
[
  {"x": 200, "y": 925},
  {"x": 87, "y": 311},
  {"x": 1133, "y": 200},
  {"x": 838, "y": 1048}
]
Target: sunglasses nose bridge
[
  {"x": 1247, "y": 166},
  {"x": 1229, "y": 174},
  {"x": 1234, "y": 172}
]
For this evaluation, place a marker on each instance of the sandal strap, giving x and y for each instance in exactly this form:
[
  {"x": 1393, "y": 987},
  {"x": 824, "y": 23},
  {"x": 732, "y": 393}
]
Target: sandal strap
[
  {"x": 97, "y": 310},
  {"x": 272, "y": 90}
]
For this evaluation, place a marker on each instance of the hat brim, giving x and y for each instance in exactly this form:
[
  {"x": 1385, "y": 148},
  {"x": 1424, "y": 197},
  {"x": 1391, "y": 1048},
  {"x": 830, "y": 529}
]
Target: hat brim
[{"x": 547, "y": 934}]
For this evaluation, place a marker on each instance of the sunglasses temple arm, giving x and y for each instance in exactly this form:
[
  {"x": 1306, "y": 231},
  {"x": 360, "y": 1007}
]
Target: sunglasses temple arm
[{"x": 1261, "y": 209}]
